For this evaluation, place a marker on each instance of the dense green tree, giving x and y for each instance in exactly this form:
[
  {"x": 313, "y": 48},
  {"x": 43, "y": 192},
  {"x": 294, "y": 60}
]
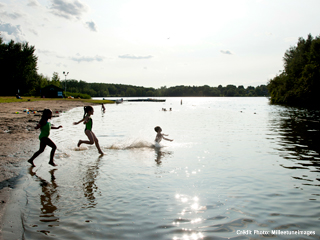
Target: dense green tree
[
  {"x": 112, "y": 90},
  {"x": 130, "y": 92},
  {"x": 241, "y": 90},
  {"x": 55, "y": 80},
  {"x": 231, "y": 91},
  {"x": 40, "y": 82},
  {"x": 299, "y": 82},
  {"x": 18, "y": 67},
  {"x": 215, "y": 92}
]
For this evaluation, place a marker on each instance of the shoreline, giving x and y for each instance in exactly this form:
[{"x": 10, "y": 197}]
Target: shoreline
[{"x": 19, "y": 139}]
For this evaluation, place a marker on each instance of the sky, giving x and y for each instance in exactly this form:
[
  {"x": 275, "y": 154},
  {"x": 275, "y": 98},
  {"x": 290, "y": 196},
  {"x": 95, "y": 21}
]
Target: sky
[{"x": 155, "y": 43}]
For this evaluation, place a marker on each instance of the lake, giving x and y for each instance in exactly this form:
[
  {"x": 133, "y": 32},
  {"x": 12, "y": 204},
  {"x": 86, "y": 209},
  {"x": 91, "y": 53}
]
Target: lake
[{"x": 238, "y": 168}]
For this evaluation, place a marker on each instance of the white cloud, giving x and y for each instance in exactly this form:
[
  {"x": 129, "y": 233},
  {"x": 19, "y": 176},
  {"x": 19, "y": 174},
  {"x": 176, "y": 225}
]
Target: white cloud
[
  {"x": 10, "y": 31},
  {"x": 46, "y": 52},
  {"x": 128, "y": 56},
  {"x": 33, "y": 31},
  {"x": 68, "y": 10},
  {"x": 14, "y": 15},
  {"x": 87, "y": 59},
  {"x": 33, "y": 3},
  {"x": 227, "y": 52},
  {"x": 92, "y": 26}
]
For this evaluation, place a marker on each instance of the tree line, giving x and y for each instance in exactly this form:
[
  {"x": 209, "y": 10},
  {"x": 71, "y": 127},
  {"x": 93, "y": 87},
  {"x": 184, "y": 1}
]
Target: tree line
[
  {"x": 299, "y": 83},
  {"x": 18, "y": 65},
  {"x": 122, "y": 90},
  {"x": 207, "y": 91}
]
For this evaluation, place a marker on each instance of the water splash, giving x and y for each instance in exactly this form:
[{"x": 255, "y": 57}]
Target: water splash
[
  {"x": 81, "y": 148},
  {"x": 133, "y": 144}
]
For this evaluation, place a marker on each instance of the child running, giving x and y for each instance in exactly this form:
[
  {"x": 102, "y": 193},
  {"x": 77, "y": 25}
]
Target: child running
[
  {"x": 87, "y": 120},
  {"x": 160, "y": 135},
  {"x": 45, "y": 127}
]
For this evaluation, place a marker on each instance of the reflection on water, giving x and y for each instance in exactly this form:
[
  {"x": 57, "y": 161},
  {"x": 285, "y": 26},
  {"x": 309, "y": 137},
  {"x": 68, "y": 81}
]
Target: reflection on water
[
  {"x": 90, "y": 188},
  {"x": 188, "y": 219},
  {"x": 48, "y": 199},
  {"x": 160, "y": 154},
  {"x": 297, "y": 135},
  {"x": 236, "y": 165},
  {"x": 300, "y": 131}
]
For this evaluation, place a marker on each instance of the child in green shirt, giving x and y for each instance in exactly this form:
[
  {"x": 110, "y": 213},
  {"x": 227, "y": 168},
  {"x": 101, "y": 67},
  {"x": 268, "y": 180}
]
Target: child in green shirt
[{"x": 45, "y": 127}]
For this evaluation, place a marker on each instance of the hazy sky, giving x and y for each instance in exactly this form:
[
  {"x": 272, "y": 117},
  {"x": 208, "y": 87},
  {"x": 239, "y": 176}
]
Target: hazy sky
[{"x": 161, "y": 43}]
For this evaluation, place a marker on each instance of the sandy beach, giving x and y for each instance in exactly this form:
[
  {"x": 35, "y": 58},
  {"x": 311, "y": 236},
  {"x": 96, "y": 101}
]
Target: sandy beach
[{"x": 19, "y": 139}]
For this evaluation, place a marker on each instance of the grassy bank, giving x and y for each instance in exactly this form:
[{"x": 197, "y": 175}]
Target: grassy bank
[{"x": 32, "y": 99}]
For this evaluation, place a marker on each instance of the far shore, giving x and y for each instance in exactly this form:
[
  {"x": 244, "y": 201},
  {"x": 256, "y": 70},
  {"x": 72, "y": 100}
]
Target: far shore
[{"x": 19, "y": 139}]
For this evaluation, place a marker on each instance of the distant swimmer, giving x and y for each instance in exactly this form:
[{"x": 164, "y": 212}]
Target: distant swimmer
[
  {"x": 87, "y": 120},
  {"x": 160, "y": 135},
  {"x": 45, "y": 127},
  {"x": 103, "y": 108}
]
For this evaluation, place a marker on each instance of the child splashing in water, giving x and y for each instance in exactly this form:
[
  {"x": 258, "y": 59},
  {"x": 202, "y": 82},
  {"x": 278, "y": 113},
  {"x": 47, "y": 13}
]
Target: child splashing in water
[
  {"x": 87, "y": 120},
  {"x": 160, "y": 136},
  {"x": 45, "y": 127}
]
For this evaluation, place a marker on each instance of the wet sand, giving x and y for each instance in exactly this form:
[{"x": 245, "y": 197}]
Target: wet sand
[{"x": 19, "y": 140}]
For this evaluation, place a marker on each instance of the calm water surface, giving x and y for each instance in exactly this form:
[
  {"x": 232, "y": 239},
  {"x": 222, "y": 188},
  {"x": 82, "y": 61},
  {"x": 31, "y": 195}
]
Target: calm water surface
[{"x": 236, "y": 165}]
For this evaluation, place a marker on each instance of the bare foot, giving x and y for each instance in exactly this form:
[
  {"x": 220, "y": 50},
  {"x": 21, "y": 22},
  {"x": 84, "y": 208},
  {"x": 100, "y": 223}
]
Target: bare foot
[
  {"x": 79, "y": 143},
  {"x": 53, "y": 164},
  {"x": 31, "y": 162}
]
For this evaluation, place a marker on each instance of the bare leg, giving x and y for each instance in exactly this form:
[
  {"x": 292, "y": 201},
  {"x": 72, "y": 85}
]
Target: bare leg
[
  {"x": 92, "y": 139},
  {"x": 51, "y": 144},
  {"x": 96, "y": 141},
  {"x": 36, "y": 154}
]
